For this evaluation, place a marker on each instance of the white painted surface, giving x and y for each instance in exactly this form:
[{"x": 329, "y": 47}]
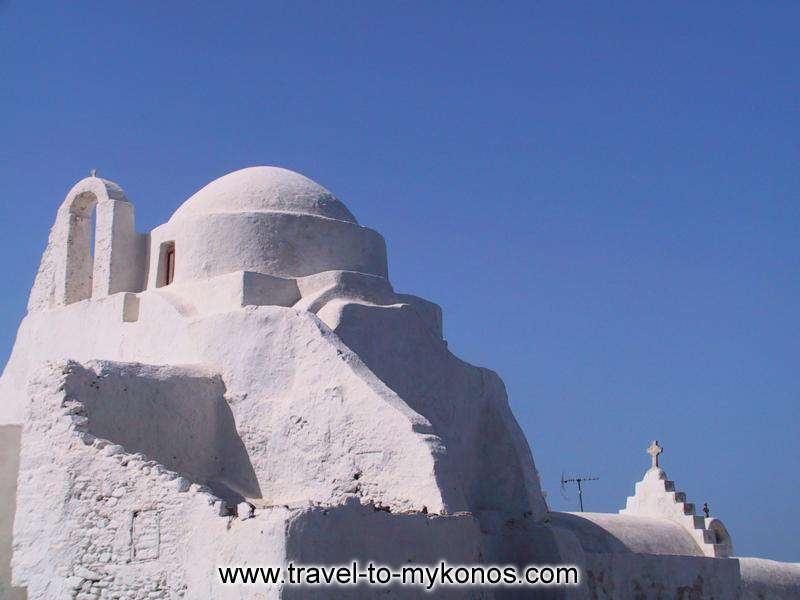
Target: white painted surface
[
  {"x": 601, "y": 533},
  {"x": 264, "y": 189},
  {"x": 656, "y": 496},
  {"x": 769, "y": 579},
  {"x": 281, "y": 376}
]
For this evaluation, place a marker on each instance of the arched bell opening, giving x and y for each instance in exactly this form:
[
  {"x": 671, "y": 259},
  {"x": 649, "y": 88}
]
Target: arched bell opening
[{"x": 80, "y": 253}]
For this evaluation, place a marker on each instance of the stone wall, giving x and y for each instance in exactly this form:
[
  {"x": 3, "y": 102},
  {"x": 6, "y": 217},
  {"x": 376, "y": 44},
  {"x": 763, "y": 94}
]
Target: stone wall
[
  {"x": 99, "y": 521},
  {"x": 94, "y": 520}
]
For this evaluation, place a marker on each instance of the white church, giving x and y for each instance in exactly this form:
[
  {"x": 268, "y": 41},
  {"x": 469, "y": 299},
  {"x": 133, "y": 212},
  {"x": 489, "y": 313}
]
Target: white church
[{"x": 242, "y": 385}]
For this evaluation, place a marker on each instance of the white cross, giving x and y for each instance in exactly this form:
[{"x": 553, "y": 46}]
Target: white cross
[{"x": 654, "y": 450}]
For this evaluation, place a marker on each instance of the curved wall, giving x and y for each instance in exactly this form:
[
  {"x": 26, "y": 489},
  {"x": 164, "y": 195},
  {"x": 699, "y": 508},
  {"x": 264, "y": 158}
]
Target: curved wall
[
  {"x": 604, "y": 533},
  {"x": 274, "y": 243}
]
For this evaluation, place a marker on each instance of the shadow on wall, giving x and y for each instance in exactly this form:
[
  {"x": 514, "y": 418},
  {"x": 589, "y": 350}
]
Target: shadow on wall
[
  {"x": 593, "y": 538},
  {"x": 9, "y": 467},
  {"x": 455, "y": 397},
  {"x": 177, "y": 416},
  {"x": 351, "y": 532}
]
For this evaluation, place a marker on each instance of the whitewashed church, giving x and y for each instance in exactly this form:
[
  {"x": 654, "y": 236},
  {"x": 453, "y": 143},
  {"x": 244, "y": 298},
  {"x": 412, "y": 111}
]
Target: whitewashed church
[{"x": 242, "y": 385}]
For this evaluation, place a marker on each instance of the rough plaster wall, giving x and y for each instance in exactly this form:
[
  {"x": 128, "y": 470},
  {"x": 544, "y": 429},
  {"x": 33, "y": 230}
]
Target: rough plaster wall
[
  {"x": 94, "y": 520},
  {"x": 307, "y": 399},
  {"x": 296, "y": 392},
  {"x": 303, "y": 395},
  {"x": 646, "y": 577},
  {"x": 85, "y": 331},
  {"x": 569, "y": 552},
  {"x": 333, "y": 535},
  {"x": 522, "y": 542},
  {"x": 9, "y": 465},
  {"x": 490, "y": 463},
  {"x": 256, "y": 542},
  {"x": 177, "y": 416},
  {"x": 117, "y": 525},
  {"x": 342, "y": 534}
]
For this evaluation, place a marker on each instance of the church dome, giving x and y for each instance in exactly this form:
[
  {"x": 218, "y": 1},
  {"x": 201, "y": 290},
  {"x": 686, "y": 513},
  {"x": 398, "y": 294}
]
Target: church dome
[{"x": 264, "y": 189}]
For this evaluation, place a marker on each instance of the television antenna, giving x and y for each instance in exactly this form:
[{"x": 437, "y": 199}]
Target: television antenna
[{"x": 579, "y": 481}]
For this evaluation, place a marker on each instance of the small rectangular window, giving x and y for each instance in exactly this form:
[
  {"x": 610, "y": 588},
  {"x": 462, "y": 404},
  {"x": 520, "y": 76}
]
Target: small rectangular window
[
  {"x": 166, "y": 264},
  {"x": 170, "y": 275}
]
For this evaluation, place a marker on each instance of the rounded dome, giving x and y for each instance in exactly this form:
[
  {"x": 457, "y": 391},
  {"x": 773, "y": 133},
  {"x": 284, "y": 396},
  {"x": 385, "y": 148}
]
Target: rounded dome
[{"x": 264, "y": 189}]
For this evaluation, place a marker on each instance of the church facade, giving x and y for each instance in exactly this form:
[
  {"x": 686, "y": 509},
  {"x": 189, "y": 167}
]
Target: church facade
[{"x": 242, "y": 385}]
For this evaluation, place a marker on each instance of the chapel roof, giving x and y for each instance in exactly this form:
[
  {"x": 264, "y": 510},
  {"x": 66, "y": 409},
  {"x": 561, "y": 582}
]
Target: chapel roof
[
  {"x": 603, "y": 533},
  {"x": 264, "y": 189}
]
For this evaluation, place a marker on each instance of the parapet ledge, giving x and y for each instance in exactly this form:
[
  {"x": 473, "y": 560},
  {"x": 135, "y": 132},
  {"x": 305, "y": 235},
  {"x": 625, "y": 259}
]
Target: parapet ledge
[
  {"x": 231, "y": 291},
  {"x": 240, "y": 289},
  {"x": 122, "y": 306}
]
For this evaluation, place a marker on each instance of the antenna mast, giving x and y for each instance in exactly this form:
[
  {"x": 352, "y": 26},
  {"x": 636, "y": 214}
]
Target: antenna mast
[{"x": 579, "y": 481}]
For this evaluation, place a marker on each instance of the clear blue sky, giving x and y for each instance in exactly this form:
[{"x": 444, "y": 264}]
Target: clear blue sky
[{"x": 603, "y": 197}]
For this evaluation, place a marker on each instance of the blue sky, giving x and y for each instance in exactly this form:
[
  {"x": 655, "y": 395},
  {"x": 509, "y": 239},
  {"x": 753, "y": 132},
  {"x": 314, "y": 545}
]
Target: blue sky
[{"x": 603, "y": 197}]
